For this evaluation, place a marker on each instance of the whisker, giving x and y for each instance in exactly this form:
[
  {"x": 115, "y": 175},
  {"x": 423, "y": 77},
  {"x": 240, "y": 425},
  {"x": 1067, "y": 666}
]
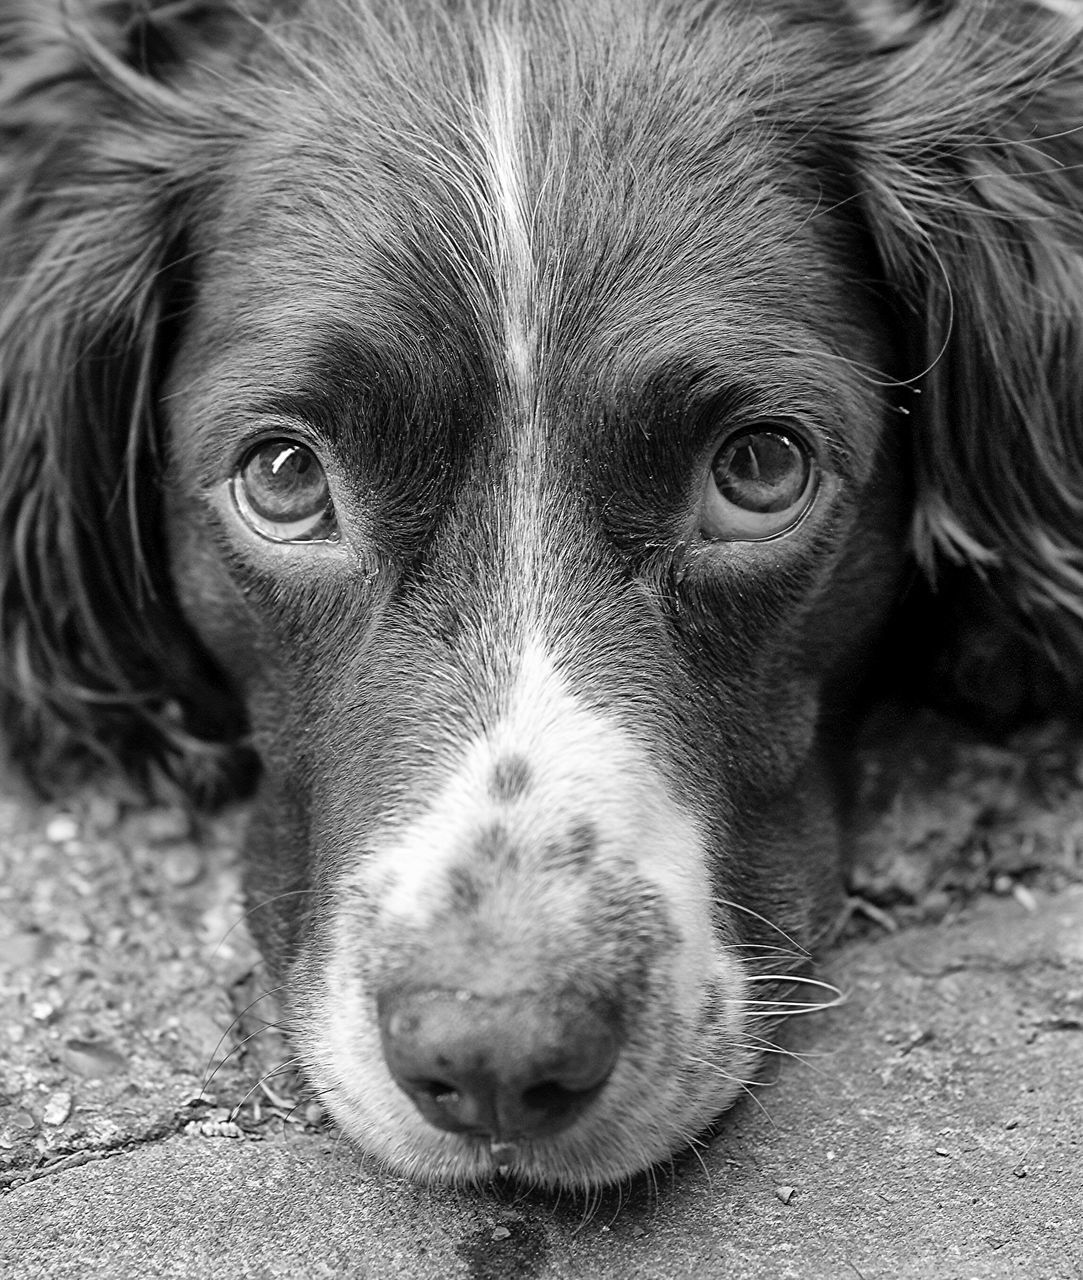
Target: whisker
[
  {"x": 236, "y": 1022},
  {"x": 274, "y": 1098},
  {"x": 721, "y": 1071},
  {"x": 806, "y": 1057},
  {"x": 278, "y": 1069},
  {"x": 694, "y": 1144},
  {"x": 797, "y": 979},
  {"x": 785, "y": 1008},
  {"x": 737, "y": 906},
  {"x": 237, "y": 1048},
  {"x": 250, "y": 911}
]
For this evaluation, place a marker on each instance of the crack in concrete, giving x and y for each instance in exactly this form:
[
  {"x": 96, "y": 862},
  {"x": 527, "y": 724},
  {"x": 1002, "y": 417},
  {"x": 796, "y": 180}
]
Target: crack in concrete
[{"x": 11, "y": 1179}]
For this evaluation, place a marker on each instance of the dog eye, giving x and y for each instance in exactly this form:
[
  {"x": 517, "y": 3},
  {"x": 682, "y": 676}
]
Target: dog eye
[
  {"x": 761, "y": 483},
  {"x": 281, "y": 491}
]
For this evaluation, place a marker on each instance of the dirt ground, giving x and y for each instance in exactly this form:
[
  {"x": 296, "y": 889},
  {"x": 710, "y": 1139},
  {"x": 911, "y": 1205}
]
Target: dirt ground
[{"x": 930, "y": 1126}]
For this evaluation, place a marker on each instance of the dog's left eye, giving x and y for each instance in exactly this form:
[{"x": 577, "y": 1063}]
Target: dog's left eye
[
  {"x": 762, "y": 481},
  {"x": 281, "y": 491}
]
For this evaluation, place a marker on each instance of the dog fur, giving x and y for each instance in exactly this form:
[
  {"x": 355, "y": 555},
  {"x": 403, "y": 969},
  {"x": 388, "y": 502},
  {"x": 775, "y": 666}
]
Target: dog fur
[{"x": 546, "y": 744}]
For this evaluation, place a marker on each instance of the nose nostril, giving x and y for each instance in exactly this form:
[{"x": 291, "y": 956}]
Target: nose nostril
[
  {"x": 439, "y": 1091},
  {"x": 553, "y": 1098}
]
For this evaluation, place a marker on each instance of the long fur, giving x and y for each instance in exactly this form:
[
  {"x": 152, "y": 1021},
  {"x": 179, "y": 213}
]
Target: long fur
[{"x": 95, "y": 197}]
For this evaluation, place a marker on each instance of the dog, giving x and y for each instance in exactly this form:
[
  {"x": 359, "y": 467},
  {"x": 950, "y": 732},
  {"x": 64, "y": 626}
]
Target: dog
[{"x": 511, "y": 438}]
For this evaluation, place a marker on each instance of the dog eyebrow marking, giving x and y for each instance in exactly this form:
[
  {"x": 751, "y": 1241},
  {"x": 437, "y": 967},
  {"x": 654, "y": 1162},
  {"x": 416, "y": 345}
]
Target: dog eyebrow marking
[{"x": 510, "y": 229}]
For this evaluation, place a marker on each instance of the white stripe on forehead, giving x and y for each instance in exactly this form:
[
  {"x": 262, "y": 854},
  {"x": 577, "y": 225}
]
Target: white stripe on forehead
[{"x": 510, "y": 229}]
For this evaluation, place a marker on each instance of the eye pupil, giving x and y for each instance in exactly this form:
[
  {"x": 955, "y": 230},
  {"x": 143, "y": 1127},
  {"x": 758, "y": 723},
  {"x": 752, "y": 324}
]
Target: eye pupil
[
  {"x": 281, "y": 490},
  {"x": 762, "y": 471}
]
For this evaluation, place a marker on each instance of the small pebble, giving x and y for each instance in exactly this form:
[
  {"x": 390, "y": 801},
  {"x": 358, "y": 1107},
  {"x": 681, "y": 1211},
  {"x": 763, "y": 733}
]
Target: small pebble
[
  {"x": 58, "y": 1108},
  {"x": 61, "y": 829},
  {"x": 20, "y": 950},
  {"x": 213, "y": 1129},
  {"x": 501, "y": 1233},
  {"x": 201, "y": 1030},
  {"x": 75, "y": 929},
  {"x": 42, "y": 1010},
  {"x": 103, "y": 1131},
  {"x": 163, "y": 826},
  {"x": 92, "y": 1059},
  {"x": 785, "y": 1194},
  {"x": 1024, "y": 897},
  {"x": 936, "y": 904},
  {"x": 182, "y": 866}
]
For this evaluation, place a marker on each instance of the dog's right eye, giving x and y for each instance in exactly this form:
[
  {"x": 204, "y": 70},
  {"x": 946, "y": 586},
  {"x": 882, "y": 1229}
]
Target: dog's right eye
[{"x": 281, "y": 491}]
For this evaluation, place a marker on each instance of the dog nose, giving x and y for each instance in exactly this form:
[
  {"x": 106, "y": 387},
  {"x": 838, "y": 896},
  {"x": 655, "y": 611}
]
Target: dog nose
[{"x": 507, "y": 1067}]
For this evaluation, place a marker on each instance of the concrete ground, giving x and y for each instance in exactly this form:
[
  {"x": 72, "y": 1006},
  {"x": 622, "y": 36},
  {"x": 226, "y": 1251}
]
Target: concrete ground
[{"x": 930, "y": 1126}]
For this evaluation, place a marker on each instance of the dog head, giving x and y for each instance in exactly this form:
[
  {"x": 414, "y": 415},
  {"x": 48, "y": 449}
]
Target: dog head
[{"x": 514, "y": 428}]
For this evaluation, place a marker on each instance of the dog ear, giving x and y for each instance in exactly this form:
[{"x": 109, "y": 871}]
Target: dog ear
[
  {"x": 99, "y": 143},
  {"x": 971, "y": 160}
]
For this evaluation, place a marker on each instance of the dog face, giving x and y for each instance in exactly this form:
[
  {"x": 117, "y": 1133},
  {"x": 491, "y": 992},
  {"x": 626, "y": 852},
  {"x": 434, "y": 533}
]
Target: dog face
[
  {"x": 527, "y": 683},
  {"x": 526, "y": 400}
]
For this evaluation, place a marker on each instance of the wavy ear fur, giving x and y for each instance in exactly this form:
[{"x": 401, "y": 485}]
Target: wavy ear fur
[
  {"x": 99, "y": 161},
  {"x": 971, "y": 163}
]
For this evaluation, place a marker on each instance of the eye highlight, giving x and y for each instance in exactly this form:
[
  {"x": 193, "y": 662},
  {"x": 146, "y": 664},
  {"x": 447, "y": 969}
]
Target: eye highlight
[
  {"x": 281, "y": 491},
  {"x": 761, "y": 483}
]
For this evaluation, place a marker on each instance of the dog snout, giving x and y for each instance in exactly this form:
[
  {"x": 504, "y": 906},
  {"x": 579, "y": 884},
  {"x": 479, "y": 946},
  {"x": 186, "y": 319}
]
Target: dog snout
[{"x": 506, "y": 1067}]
